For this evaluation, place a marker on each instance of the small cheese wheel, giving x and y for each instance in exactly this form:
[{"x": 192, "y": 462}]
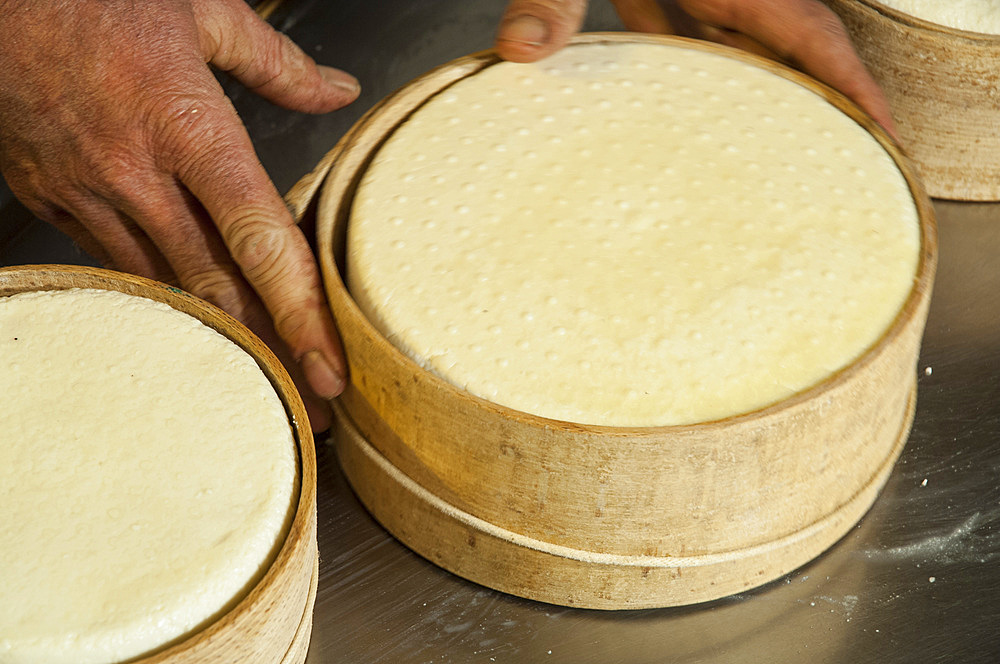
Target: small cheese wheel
[
  {"x": 971, "y": 15},
  {"x": 148, "y": 475}
]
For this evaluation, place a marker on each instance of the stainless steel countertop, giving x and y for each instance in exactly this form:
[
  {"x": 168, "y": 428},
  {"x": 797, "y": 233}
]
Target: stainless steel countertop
[{"x": 918, "y": 580}]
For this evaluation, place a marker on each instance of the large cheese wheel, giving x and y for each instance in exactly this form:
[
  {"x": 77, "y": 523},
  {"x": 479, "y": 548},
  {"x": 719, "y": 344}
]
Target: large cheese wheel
[{"x": 632, "y": 235}]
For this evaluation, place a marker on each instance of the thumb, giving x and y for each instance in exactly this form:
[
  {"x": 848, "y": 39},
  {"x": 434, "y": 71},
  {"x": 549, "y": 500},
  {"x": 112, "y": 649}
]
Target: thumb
[
  {"x": 234, "y": 39},
  {"x": 533, "y": 29}
]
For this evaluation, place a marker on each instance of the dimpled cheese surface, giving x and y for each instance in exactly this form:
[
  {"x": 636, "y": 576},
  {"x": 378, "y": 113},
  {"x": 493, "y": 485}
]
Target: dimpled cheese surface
[
  {"x": 632, "y": 235},
  {"x": 972, "y": 15},
  {"x": 148, "y": 474}
]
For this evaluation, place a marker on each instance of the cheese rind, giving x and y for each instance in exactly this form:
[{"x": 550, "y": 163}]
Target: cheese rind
[
  {"x": 972, "y": 15},
  {"x": 632, "y": 235},
  {"x": 148, "y": 470}
]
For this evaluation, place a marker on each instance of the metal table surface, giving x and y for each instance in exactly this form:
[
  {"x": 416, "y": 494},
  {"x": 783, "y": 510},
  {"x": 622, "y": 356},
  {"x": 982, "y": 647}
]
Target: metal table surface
[{"x": 917, "y": 580}]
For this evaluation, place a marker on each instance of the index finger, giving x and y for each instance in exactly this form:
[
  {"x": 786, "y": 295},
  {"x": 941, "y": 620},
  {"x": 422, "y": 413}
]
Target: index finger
[
  {"x": 807, "y": 33},
  {"x": 222, "y": 171}
]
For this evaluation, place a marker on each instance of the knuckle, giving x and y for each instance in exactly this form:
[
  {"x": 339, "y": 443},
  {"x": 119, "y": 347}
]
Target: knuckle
[
  {"x": 290, "y": 324},
  {"x": 197, "y": 138},
  {"x": 180, "y": 125},
  {"x": 26, "y": 184},
  {"x": 262, "y": 249},
  {"x": 220, "y": 287},
  {"x": 117, "y": 170},
  {"x": 100, "y": 166},
  {"x": 276, "y": 64},
  {"x": 280, "y": 62},
  {"x": 258, "y": 245},
  {"x": 830, "y": 24},
  {"x": 825, "y": 31}
]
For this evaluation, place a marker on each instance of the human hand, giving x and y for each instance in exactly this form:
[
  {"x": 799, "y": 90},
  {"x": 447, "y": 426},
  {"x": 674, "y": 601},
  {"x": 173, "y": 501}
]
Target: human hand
[
  {"x": 803, "y": 32},
  {"x": 114, "y": 129}
]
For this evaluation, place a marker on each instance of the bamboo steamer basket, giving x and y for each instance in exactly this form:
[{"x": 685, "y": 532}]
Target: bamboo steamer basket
[
  {"x": 943, "y": 85},
  {"x": 272, "y": 624},
  {"x": 608, "y": 517}
]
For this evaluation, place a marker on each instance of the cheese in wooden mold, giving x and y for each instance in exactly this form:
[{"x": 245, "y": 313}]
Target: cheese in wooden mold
[
  {"x": 148, "y": 472},
  {"x": 972, "y": 15},
  {"x": 632, "y": 235}
]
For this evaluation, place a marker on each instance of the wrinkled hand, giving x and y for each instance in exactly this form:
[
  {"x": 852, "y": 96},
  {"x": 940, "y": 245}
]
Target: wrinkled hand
[
  {"x": 803, "y": 32},
  {"x": 114, "y": 129}
]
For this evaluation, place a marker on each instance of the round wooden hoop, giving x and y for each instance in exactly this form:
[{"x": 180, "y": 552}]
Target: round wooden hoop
[
  {"x": 272, "y": 623},
  {"x": 943, "y": 86},
  {"x": 449, "y": 473}
]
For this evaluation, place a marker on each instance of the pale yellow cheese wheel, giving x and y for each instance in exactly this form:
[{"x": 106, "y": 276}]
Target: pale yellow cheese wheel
[
  {"x": 632, "y": 235},
  {"x": 972, "y": 15},
  {"x": 148, "y": 476}
]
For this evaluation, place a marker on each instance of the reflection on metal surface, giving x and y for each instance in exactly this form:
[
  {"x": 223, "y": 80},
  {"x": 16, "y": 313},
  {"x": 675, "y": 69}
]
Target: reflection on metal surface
[
  {"x": 413, "y": 612},
  {"x": 974, "y": 540}
]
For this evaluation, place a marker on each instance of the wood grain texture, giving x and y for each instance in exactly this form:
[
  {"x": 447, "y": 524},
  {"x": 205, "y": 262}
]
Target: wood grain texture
[
  {"x": 271, "y": 624},
  {"x": 943, "y": 86},
  {"x": 606, "y": 517},
  {"x": 299, "y": 648},
  {"x": 532, "y": 568}
]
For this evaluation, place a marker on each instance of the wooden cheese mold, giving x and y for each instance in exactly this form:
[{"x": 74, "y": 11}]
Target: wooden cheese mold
[
  {"x": 272, "y": 624},
  {"x": 606, "y": 517},
  {"x": 943, "y": 86}
]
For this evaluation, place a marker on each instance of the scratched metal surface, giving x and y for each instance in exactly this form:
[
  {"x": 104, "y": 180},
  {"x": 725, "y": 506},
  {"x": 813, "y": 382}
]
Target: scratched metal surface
[{"x": 916, "y": 580}]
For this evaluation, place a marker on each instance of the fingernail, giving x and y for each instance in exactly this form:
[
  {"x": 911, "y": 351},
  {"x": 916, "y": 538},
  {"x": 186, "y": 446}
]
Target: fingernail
[
  {"x": 326, "y": 382},
  {"x": 526, "y": 30},
  {"x": 320, "y": 416},
  {"x": 339, "y": 78}
]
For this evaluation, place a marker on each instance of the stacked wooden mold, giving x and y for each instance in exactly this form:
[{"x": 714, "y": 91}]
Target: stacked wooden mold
[{"x": 606, "y": 517}]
